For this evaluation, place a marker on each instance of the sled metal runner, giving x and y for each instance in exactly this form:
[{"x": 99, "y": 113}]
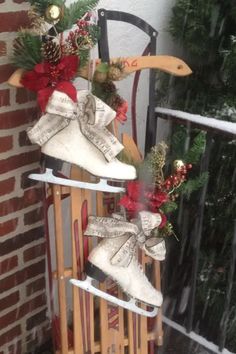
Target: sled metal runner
[
  {"x": 128, "y": 305},
  {"x": 101, "y": 186}
]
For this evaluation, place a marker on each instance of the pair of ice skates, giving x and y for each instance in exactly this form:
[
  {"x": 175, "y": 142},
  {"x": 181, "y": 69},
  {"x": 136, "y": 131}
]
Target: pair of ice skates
[{"x": 77, "y": 133}]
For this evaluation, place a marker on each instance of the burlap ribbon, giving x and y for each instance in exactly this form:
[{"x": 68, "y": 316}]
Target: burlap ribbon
[
  {"x": 138, "y": 232},
  {"x": 92, "y": 114}
]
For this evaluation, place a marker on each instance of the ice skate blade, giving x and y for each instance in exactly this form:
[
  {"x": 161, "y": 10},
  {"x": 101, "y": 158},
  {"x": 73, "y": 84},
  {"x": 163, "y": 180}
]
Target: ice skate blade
[
  {"x": 128, "y": 305},
  {"x": 49, "y": 177}
]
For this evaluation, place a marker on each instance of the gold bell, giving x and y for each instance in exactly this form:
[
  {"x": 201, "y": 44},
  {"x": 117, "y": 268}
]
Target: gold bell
[
  {"x": 53, "y": 13},
  {"x": 178, "y": 164}
]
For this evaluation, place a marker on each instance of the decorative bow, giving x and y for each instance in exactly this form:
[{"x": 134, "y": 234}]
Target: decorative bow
[
  {"x": 92, "y": 114},
  {"x": 138, "y": 232}
]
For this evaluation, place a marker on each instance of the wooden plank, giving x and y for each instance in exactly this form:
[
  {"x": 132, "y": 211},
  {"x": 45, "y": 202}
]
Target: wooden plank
[
  {"x": 143, "y": 330},
  {"x": 166, "y": 63},
  {"x": 89, "y": 298},
  {"x": 150, "y": 337},
  {"x": 104, "y": 338},
  {"x": 159, "y": 327},
  {"x": 111, "y": 317},
  {"x": 60, "y": 268},
  {"x": 78, "y": 305}
]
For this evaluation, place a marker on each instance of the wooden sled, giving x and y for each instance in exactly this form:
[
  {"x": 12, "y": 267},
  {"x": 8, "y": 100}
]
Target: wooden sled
[{"x": 98, "y": 326}]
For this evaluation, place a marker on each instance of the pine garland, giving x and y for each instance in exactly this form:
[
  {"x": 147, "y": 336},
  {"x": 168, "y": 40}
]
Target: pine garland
[
  {"x": 192, "y": 185},
  {"x": 27, "y": 51},
  {"x": 74, "y": 12}
]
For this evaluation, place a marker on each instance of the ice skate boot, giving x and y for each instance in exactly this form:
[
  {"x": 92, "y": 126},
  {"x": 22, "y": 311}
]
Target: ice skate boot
[
  {"x": 77, "y": 134},
  {"x": 115, "y": 257}
]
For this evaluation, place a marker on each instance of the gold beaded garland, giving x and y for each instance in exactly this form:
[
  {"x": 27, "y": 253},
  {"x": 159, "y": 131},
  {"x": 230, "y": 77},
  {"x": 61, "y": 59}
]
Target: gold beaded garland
[{"x": 53, "y": 13}]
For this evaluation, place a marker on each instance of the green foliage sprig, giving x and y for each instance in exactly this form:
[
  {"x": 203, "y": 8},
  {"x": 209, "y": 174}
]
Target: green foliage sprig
[
  {"x": 27, "y": 50},
  {"x": 74, "y": 12}
]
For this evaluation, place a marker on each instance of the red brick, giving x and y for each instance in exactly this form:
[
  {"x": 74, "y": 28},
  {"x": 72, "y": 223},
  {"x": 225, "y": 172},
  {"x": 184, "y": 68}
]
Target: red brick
[
  {"x": 6, "y": 143},
  {"x": 21, "y": 240},
  {"x": 5, "y": 70},
  {"x": 36, "y": 320},
  {"x": 16, "y": 161},
  {"x": 24, "y": 96},
  {"x": 23, "y": 310},
  {"x": 15, "y": 348},
  {"x": 7, "y": 186},
  {"x": 26, "y": 182},
  {"x": 10, "y": 335},
  {"x": 37, "y": 285},
  {"x": 12, "y": 21},
  {"x": 9, "y": 300},
  {"x": 8, "y": 226},
  {"x": 33, "y": 216},
  {"x": 30, "y": 197},
  {"x": 22, "y": 275},
  {"x": 17, "y": 118},
  {"x": 3, "y": 48},
  {"x": 4, "y": 94},
  {"x": 8, "y": 264},
  {"x": 34, "y": 252}
]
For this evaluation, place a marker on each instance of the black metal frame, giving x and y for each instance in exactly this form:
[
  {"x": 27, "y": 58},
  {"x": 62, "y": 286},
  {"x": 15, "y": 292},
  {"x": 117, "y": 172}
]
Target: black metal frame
[
  {"x": 198, "y": 231},
  {"x": 107, "y": 15}
]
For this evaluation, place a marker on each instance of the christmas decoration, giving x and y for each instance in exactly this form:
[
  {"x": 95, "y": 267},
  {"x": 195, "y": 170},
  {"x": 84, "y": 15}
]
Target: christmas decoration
[
  {"x": 46, "y": 78},
  {"x": 81, "y": 126},
  {"x": 115, "y": 257},
  {"x": 104, "y": 87},
  {"x": 53, "y": 13},
  {"x": 51, "y": 52},
  {"x": 53, "y": 62}
]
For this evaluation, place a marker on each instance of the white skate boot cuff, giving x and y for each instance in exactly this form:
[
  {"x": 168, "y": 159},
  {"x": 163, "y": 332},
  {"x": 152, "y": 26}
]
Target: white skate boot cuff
[{"x": 92, "y": 114}]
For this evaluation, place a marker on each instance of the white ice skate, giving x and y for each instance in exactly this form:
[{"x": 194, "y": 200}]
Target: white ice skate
[
  {"x": 115, "y": 257},
  {"x": 76, "y": 133}
]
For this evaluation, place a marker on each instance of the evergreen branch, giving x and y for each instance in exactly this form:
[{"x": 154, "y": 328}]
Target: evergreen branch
[
  {"x": 197, "y": 149},
  {"x": 169, "y": 207},
  {"x": 27, "y": 51},
  {"x": 75, "y": 12},
  {"x": 193, "y": 185}
]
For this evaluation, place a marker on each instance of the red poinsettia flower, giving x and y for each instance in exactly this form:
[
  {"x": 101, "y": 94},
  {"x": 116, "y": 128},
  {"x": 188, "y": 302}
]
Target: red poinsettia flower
[
  {"x": 121, "y": 112},
  {"x": 133, "y": 200},
  {"x": 156, "y": 199},
  {"x": 46, "y": 77},
  {"x": 139, "y": 197}
]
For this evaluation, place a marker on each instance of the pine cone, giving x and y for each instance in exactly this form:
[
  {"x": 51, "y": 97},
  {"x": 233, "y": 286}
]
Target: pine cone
[
  {"x": 108, "y": 87},
  {"x": 114, "y": 73},
  {"x": 51, "y": 52},
  {"x": 115, "y": 101}
]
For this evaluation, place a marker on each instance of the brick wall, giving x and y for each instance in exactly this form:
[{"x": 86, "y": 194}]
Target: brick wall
[{"x": 23, "y": 321}]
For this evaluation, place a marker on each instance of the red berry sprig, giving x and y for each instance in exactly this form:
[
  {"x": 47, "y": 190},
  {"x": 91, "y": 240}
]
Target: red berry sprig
[{"x": 178, "y": 177}]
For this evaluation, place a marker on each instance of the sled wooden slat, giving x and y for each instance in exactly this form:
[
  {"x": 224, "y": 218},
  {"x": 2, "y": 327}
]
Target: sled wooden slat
[
  {"x": 150, "y": 337},
  {"x": 111, "y": 317},
  {"x": 159, "y": 328},
  {"x": 143, "y": 323},
  {"x": 76, "y": 228},
  {"x": 59, "y": 239},
  {"x": 89, "y": 298}
]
